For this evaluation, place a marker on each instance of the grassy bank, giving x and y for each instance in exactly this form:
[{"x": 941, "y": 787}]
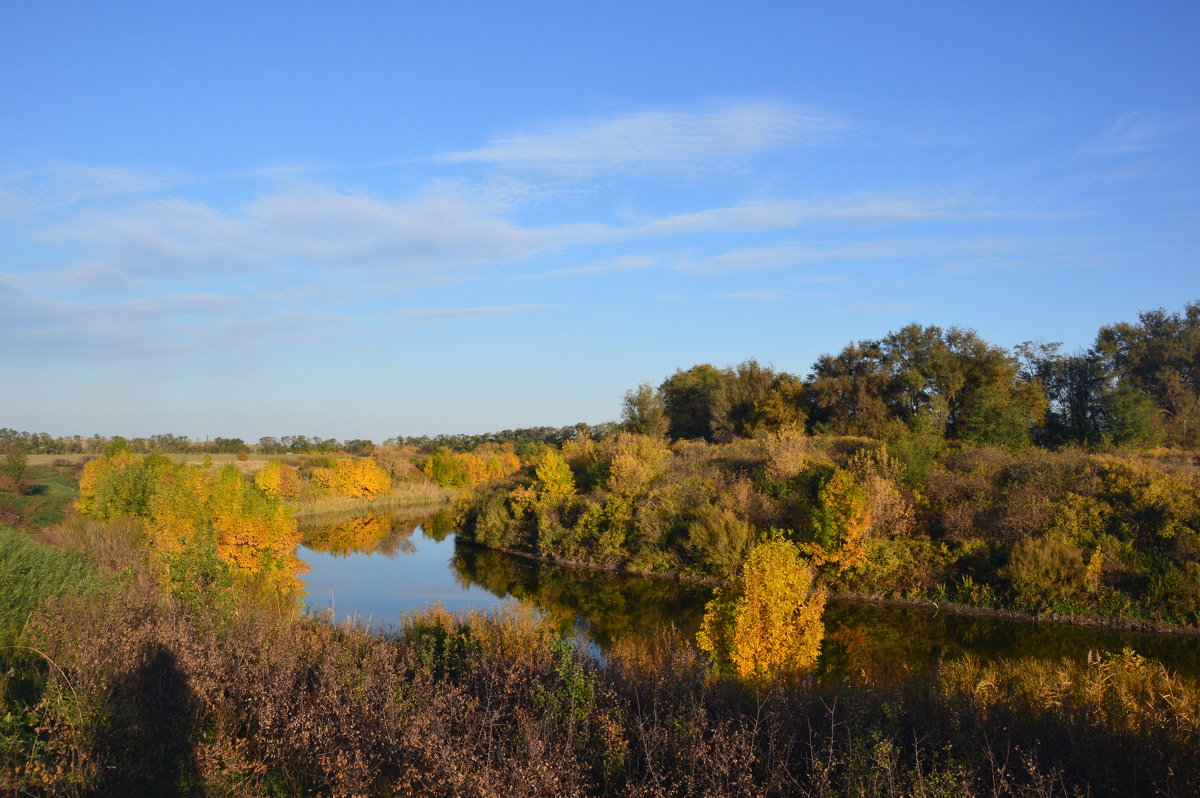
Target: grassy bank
[
  {"x": 50, "y": 490},
  {"x": 404, "y": 496}
]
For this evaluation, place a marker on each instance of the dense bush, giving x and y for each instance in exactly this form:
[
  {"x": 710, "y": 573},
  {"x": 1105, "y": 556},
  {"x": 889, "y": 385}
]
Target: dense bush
[{"x": 1079, "y": 532}]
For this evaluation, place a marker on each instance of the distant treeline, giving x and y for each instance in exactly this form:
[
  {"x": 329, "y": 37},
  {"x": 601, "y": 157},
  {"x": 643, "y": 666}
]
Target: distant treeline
[
  {"x": 44, "y": 443},
  {"x": 1137, "y": 386}
]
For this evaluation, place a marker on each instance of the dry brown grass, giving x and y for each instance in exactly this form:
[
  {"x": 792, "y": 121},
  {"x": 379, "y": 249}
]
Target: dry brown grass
[
  {"x": 150, "y": 702},
  {"x": 403, "y": 495}
]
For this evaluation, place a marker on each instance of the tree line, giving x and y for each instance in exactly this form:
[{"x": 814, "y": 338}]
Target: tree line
[{"x": 1138, "y": 385}]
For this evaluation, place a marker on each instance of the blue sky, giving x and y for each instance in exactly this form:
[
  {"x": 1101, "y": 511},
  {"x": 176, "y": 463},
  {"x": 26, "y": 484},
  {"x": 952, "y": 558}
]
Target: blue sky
[{"x": 378, "y": 219}]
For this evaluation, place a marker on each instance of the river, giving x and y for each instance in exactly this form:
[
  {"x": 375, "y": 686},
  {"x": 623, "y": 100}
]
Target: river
[{"x": 377, "y": 568}]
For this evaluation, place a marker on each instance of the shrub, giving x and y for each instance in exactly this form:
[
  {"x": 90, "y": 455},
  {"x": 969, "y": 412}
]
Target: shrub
[{"x": 1045, "y": 569}]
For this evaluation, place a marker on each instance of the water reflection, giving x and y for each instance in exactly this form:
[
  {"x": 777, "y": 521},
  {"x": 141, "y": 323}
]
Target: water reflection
[
  {"x": 607, "y": 607},
  {"x": 372, "y": 533},
  {"x": 423, "y": 564},
  {"x": 866, "y": 642}
]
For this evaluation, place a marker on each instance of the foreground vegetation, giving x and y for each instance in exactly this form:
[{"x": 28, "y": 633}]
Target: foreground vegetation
[{"x": 133, "y": 691}]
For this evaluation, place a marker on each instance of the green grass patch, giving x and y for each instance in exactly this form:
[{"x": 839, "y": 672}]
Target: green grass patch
[
  {"x": 50, "y": 492},
  {"x": 30, "y": 573}
]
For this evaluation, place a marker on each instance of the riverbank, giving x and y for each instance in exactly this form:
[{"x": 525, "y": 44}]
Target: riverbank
[
  {"x": 948, "y": 607},
  {"x": 406, "y": 496},
  {"x": 974, "y": 611}
]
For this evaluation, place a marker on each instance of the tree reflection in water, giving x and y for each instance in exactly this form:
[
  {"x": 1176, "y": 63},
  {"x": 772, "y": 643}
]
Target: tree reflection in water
[
  {"x": 609, "y": 608},
  {"x": 365, "y": 534},
  {"x": 863, "y": 643}
]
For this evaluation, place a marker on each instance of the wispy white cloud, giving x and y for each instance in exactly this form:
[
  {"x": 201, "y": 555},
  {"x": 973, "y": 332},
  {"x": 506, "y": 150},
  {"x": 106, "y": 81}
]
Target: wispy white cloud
[
  {"x": 435, "y": 315},
  {"x": 429, "y": 233},
  {"x": 788, "y": 256},
  {"x": 286, "y": 171},
  {"x": 168, "y": 326},
  {"x": 59, "y": 184},
  {"x": 171, "y": 238},
  {"x": 745, "y": 260},
  {"x": 624, "y": 263},
  {"x": 167, "y": 305},
  {"x": 1133, "y": 132},
  {"x": 757, "y": 296},
  {"x": 854, "y": 210},
  {"x": 428, "y": 239},
  {"x": 653, "y": 139}
]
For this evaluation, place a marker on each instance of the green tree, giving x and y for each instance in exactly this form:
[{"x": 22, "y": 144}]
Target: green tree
[
  {"x": 644, "y": 412},
  {"x": 1074, "y": 386},
  {"x": 688, "y": 398},
  {"x": 15, "y": 467},
  {"x": 1160, "y": 355},
  {"x": 754, "y": 399},
  {"x": 917, "y": 375},
  {"x": 1130, "y": 418}
]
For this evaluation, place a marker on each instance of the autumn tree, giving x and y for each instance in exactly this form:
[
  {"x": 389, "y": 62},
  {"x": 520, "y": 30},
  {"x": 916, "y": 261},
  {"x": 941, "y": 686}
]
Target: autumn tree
[
  {"x": 770, "y": 627},
  {"x": 360, "y": 477},
  {"x": 840, "y": 521},
  {"x": 278, "y": 480},
  {"x": 554, "y": 475},
  {"x": 255, "y": 535},
  {"x": 199, "y": 524},
  {"x": 489, "y": 462}
]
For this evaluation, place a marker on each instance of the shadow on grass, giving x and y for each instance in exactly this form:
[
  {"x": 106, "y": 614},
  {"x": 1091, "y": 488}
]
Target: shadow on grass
[{"x": 148, "y": 745}]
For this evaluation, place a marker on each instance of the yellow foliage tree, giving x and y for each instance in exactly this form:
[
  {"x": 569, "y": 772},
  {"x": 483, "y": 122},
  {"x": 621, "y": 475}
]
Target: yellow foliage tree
[
  {"x": 188, "y": 511},
  {"x": 554, "y": 475},
  {"x": 634, "y": 461},
  {"x": 360, "y": 477},
  {"x": 178, "y": 508},
  {"x": 278, "y": 480},
  {"x": 772, "y": 628},
  {"x": 841, "y": 520},
  {"x": 255, "y": 535},
  {"x": 95, "y": 472}
]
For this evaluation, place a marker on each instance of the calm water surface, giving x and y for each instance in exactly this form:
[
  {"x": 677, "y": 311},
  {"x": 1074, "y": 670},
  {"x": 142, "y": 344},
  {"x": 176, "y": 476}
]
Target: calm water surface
[{"x": 376, "y": 568}]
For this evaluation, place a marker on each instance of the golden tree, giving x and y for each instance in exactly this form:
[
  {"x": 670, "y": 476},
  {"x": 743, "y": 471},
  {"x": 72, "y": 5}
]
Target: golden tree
[
  {"x": 841, "y": 520},
  {"x": 770, "y": 628},
  {"x": 278, "y": 480},
  {"x": 554, "y": 475},
  {"x": 360, "y": 477},
  {"x": 255, "y": 535}
]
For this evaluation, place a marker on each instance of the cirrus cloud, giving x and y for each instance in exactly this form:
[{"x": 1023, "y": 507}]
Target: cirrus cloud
[{"x": 653, "y": 139}]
